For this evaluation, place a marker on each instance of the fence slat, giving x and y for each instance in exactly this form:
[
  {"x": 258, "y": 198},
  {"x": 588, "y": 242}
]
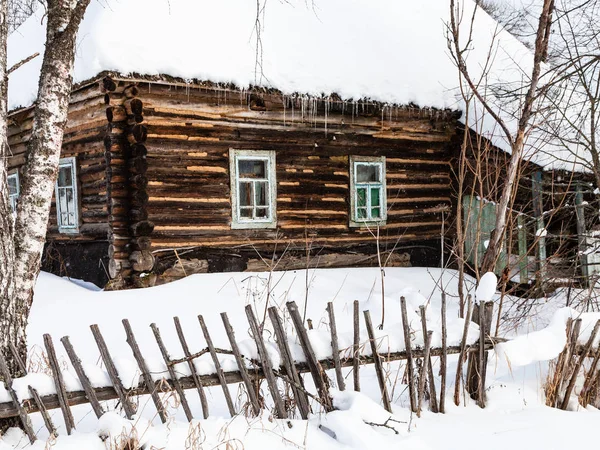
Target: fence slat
[
  {"x": 356, "y": 347},
  {"x": 33, "y": 392},
  {"x": 316, "y": 370},
  {"x": 13, "y": 396},
  {"x": 288, "y": 363},
  {"x": 59, "y": 384},
  {"x": 431, "y": 378},
  {"x": 443, "y": 357},
  {"x": 217, "y": 364},
  {"x": 377, "y": 360},
  {"x": 172, "y": 373},
  {"x": 335, "y": 348},
  {"x": 409, "y": 358},
  {"x": 113, "y": 374},
  {"x": 424, "y": 370},
  {"x": 266, "y": 363},
  {"x": 250, "y": 388},
  {"x": 90, "y": 393},
  {"x": 146, "y": 377},
  {"x": 188, "y": 356}
]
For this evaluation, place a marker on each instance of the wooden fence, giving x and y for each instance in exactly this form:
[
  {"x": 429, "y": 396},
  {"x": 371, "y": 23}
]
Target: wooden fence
[{"x": 421, "y": 382}]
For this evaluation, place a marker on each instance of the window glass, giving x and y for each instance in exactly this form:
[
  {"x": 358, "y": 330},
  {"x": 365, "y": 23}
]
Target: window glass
[
  {"x": 13, "y": 185},
  {"x": 367, "y": 173},
  {"x": 248, "y": 168},
  {"x": 65, "y": 176}
]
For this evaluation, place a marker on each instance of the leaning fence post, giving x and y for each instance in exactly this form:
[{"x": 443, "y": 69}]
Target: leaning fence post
[
  {"x": 13, "y": 396},
  {"x": 431, "y": 379},
  {"x": 60, "y": 384},
  {"x": 148, "y": 381},
  {"x": 316, "y": 370},
  {"x": 172, "y": 373},
  {"x": 409, "y": 359},
  {"x": 34, "y": 393},
  {"x": 377, "y": 360},
  {"x": 83, "y": 378},
  {"x": 335, "y": 348},
  {"x": 444, "y": 357},
  {"x": 356, "y": 348}
]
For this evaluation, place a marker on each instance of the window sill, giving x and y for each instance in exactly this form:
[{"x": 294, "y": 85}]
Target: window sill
[
  {"x": 253, "y": 225},
  {"x": 367, "y": 224}
]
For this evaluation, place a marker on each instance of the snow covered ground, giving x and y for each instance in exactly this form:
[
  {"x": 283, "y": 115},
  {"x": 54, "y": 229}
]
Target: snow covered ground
[{"x": 515, "y": 415}]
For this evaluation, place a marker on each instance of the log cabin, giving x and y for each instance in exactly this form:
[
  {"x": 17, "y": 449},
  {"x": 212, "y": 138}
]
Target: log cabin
[{"x": 273, "y": 154}]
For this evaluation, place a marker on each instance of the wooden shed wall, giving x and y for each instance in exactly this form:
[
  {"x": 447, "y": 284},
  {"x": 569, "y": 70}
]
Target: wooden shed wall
[{"x": 189, "y": 135}]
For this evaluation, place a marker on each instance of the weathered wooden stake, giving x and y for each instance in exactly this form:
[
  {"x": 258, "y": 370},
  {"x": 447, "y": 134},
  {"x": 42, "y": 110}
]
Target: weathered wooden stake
[
  {"x": 112, "y": 372},
  {"x": 481, "y": 368},
  {"x": 59, "y": 384},
  {"x": 172, "y": 373},
  {"x": 265, "y": 362},
  {"x": 288, "y": 363},
  {"x": 90, "y": 393},
  {"x": 443, "y": 357},
  {"x": 13, "y": 396},
  {"x": 188, "y": 356},
  {"x": 148, "y": 381},
  {"x": 335, "y": 348},
  {"x": 432, "y": 394},
  {"x": 409, "y": 358},
  {"x": 218, "y": 368},
  {"x": 33, "y": 392},
  {"x": 377, "y": 360},
  {"x": 586, "y": 350},
  {"x": 316, "y": 370},
  {"x": 356, "y": 348},
  {"x": 250, "y": 388},
  {"x": 424, "y": 370},
  {"x": 589, "y": 379},
  {"x": 461, "y": 355}
]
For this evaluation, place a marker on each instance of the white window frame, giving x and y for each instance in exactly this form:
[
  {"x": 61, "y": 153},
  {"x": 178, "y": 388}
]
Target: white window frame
[
  {"x": 237, "y": 221},
  {"x": 71, "y": 163},
  {"x": 378, "y": 161},
  {"x": 13, "y": 198}
]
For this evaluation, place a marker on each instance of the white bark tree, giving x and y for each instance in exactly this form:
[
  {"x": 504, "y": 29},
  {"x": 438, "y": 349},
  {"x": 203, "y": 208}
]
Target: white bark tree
[{"x": 22, "y": 243}]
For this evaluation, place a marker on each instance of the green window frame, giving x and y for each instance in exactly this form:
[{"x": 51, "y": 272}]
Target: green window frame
[{"x": 368, "y": 199}]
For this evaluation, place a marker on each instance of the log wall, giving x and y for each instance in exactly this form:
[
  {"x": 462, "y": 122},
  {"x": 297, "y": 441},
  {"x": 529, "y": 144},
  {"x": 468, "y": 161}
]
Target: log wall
[
  {"x": 83, "y": 139},
  {"x": 189, "y": 130}
]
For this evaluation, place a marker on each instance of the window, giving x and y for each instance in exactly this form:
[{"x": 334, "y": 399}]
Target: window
[
  {"x": 253, "y": 189},
  {"x": 67, "y": 211},
  {"x": 13, "y": 190},
  {"x": 367, "y": 187}
]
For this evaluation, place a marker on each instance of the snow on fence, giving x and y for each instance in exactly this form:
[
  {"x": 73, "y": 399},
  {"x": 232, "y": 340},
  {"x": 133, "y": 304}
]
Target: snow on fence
[{"x": 263, "y": 366}]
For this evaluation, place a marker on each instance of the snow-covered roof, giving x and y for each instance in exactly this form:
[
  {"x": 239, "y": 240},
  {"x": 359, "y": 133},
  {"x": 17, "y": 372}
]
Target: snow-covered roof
[{"x": 393, "y": 51}]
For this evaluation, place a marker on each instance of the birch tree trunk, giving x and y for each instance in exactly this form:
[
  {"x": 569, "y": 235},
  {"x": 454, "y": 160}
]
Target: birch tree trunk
[{"x": 22, "y": 245}]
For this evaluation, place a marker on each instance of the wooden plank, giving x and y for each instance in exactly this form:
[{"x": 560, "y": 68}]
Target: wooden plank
[
  {"x": 288, "y": 363},
  {"x": 113, "y": 374},
  {"x": 59, "y": 384},
  {"x": 581, "y": 230},
  {"x": 83, "y": 378},
  {"x": 378, "y": 366},
  {"x": 195, "y": 377},
  {"x": 218, "y": 368},
  {"x": 409, "y": 360},
  {"x": 335, "y": 348},
  {"x": 356, "y": 347},
  {"x": 172, "y": 374},
  {"x": 266, "y": 363},
  {"x": 316, "y": 370},
  {"x": 25, "y": 421},
  {"x": 146, "y": 377},
  {"x": 522, "y": 237},
  {"x": 250, "y": 388},
  {"x": 432, "y": 394}
]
